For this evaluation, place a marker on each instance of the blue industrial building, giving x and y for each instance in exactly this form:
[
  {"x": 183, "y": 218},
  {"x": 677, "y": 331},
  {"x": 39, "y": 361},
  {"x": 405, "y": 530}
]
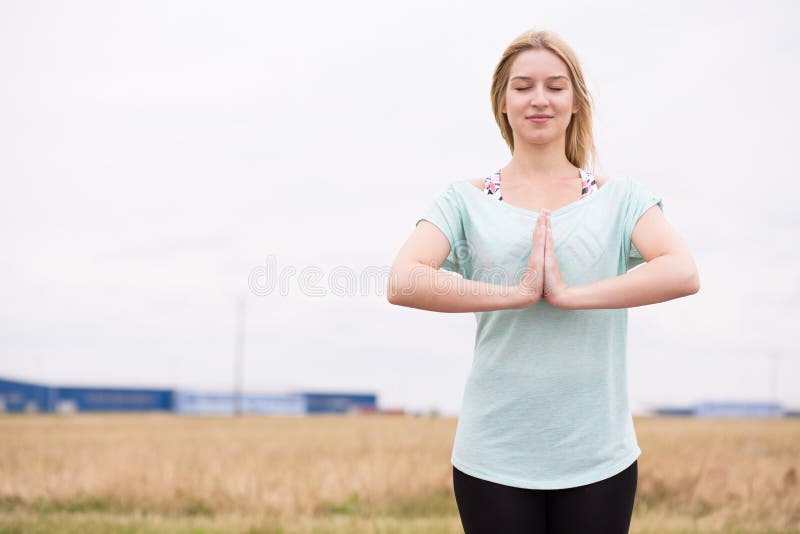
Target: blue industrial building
[
  {"x": 73, "y": 399},
  {"x": 18, "y": 396},
  {"x": 337, "y": 402},
  {"x": 25, "y": 397},
  {"x": 728, "y": 409},
  {"x": 210, "y": 403}
]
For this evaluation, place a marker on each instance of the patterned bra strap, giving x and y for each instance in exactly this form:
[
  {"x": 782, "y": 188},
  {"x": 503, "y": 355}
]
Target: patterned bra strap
[
  {"x": 589, "y": 183},
  {"x": 491, "y": 185}
]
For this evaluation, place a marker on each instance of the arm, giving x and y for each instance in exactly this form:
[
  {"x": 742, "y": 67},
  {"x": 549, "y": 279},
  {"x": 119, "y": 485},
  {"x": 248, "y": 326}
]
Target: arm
[
  {"x": 416, "y": 282},
  {"x": 669, "y": 271}
]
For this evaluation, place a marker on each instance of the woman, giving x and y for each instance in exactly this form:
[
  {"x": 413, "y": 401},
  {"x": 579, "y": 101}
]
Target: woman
[{"x": 545, "y": 439}]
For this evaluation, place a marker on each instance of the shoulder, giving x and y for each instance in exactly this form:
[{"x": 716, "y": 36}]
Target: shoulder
[
  {"x": 476, "y": 182},
  {"x": 620, "y": 184},
  {"x": 615, "y": 187}
]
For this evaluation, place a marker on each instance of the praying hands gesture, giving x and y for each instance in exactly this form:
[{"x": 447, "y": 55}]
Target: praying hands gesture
[{"x": 542, "y": 278}]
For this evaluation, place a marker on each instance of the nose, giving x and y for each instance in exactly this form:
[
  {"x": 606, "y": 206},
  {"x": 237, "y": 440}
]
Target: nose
[{"x": 538, "y": 97}]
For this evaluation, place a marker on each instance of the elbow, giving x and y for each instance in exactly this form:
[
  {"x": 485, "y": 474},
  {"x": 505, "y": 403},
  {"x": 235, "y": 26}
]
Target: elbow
[
  {"x": 394, "y": 289},
  {"x": 692, "y": 282},
  {"x": 687, "y": 281},
  {"x": 393, "y": 298},
  {"x": 400, "y": 288}
]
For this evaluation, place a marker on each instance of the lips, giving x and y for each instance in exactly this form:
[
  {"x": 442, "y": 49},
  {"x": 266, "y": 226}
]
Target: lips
[{"x": 539, "y": 119}]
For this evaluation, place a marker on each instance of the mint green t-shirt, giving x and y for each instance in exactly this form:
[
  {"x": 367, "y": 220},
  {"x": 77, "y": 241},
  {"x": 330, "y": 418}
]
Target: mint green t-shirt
[{"x": 545, "y": 405}]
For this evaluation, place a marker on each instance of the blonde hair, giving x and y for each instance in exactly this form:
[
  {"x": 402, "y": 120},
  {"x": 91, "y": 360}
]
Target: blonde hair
[{"x": 579, "y": 144}]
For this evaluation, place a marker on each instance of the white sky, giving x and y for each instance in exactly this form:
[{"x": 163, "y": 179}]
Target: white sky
[{"x": 152, "y": 154}]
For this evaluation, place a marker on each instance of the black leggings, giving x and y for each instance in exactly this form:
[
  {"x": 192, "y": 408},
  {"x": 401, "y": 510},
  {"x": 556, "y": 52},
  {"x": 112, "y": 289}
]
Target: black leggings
[{"x": 603, "y": 507}]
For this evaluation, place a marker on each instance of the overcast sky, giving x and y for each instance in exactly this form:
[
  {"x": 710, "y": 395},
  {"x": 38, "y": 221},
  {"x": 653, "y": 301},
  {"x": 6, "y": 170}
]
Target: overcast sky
[{"x": 155, "y": 154}]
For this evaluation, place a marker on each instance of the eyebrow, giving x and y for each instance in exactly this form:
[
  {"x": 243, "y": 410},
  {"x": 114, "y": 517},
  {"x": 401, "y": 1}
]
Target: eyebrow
[{"x": 529, "y": 78}]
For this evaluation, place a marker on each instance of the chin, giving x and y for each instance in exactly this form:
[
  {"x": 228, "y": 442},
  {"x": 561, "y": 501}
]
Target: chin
[{"x": 539, "y": 139}]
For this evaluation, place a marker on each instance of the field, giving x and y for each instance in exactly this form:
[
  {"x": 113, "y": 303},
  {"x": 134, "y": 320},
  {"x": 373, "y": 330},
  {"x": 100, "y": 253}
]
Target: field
[{"x": 369, "y": 473}]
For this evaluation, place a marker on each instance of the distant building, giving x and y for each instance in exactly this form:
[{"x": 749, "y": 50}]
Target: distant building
[
  {"x": 83, "y": 399},
  {"x": 678, "y": 412},
  {"x": 318, "y": 402},
  {"x": 199, "y": 402},
  {"x": 726, "y": 409},
  {"x": 738, "y": 409},
  {"x": 25, "y": 397},
  {"x": 18, "y": 396}
]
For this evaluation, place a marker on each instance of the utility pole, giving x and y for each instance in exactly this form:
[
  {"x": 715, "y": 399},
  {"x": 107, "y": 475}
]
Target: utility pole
[{"x": 239, "y": 357}]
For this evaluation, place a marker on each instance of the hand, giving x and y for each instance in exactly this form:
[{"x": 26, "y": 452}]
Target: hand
[
  {"x": 529, "y": 290},
  {"x": 555, "y": 290}
]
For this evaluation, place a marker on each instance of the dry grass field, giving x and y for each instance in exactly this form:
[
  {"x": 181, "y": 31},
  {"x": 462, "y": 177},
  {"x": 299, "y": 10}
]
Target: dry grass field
[{"x": 370, "y": 473}]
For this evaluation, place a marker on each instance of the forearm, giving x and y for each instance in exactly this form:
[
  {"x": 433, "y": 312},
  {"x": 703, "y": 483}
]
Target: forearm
[
  {"x": 426, "y": 288},
  {"x": 663, "y": 278}
]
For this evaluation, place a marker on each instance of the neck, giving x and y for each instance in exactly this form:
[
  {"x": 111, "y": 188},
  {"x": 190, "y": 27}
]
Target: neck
[{"x": 540, "y": 163}]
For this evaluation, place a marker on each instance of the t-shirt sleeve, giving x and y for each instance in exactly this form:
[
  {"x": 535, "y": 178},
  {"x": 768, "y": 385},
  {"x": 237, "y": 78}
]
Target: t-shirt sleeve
[
  {"x": 445, "y": 212},
  {"x": 640, "y": 199}
]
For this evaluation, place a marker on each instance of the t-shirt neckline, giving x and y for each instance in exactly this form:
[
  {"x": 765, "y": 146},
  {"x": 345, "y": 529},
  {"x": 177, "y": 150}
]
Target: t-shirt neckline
[{"x": 554, "y": 213}]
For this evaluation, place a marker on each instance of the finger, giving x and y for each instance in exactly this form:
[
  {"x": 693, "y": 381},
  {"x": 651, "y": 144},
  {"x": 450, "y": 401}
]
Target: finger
[
  {"x": 540, "y": 246},
  {"x": 549, "y": 263},
  {"x": 541, "y": 224},
  {"x": 539, "y": 234},
  {"x": 535, "y": 238},
  {"x": 536, "y": 259},
  {"x": 549, "y": 247}
]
